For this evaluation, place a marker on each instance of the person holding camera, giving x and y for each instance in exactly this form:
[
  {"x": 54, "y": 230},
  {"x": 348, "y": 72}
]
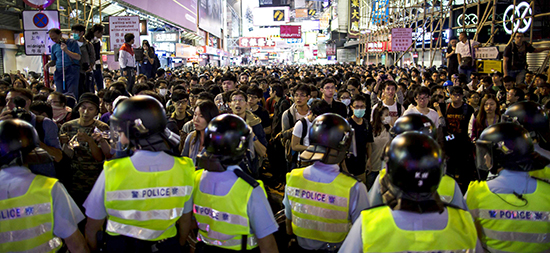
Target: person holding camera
[{"x": 66, "y": 59}]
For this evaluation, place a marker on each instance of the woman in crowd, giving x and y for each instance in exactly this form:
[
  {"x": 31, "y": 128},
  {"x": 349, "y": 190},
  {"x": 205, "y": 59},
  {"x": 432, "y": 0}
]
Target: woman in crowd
[
  {"x": 194, "y": 143},
  {"x": 489, "y": 114},
  {"x": 380, "y": 131},
  {"x": 61, "y": 112}
]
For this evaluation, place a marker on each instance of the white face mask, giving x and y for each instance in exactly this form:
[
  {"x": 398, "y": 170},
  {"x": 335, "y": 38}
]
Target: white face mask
[
  {"x": 163, "y": 92},
  {"x": 386, "y": 120},
  {"x": 346, "y": 101}
]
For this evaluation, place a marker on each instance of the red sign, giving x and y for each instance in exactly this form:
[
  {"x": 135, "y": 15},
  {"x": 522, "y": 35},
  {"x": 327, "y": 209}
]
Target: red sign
[
  {"x": 315, "y": 52},
  {"x": 291, "y": 32},
  {"x": 376, "y": 47},
  {"x": 261, "y": 42}
]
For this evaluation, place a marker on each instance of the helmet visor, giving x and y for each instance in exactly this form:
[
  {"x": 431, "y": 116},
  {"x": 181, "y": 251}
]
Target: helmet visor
[
  {"x": 119, "y": 135},
  {"x": 484, "y": 155}
]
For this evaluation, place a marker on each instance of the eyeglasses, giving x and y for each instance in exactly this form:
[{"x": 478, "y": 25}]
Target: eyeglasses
[
  {"x": 181, "y": 102},
  {"x": 423, "y": 98},
  {"x": 238, "y": 100}
]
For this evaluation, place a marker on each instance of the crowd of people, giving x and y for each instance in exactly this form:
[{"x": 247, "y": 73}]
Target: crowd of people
[{"x": 359, "y": 158}]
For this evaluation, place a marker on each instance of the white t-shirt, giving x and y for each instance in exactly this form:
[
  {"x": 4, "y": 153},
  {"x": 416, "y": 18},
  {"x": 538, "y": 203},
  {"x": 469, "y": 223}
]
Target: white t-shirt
[
  {"x": 463, "y": 48},
  {"x": 432, "y": 114},
  {"x": 298, "y": 131}
]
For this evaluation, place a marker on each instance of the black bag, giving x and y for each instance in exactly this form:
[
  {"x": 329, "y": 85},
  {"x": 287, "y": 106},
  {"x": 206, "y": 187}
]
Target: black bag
[{"x": 467, "y": 62}]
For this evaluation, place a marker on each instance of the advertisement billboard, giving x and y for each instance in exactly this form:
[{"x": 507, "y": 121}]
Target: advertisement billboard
[
  {"x": 271, "y": 16},
  {"x": 291, "y": 32},
  {"x": 210, "y": 16},
  {"x": 261, "y": 42},
  {"x": 179, "y": 12}
]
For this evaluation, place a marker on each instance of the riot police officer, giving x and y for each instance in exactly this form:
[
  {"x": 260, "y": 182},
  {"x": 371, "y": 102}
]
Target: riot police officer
[
  {"x": 230, "y": 206},
  {"x": 146, "y": 199},
  {"x": 321, "y": 202},
  {"x": 448, "y": 189},
  {"x": 531, "y": 116},
  {"x": 35, "y": 211},
  {"x": 413, "y": 219},
  {"x": 511, "y": 211}
]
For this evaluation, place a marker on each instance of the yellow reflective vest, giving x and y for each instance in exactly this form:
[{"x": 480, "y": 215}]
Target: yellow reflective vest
[
  {"x": 26, "y": 222},
  {"x": 380, "y": 233},
  {"x": 509, "y": 223},
  {"x": 543, "y": 174},
  {"x": 320, "y": 211},
  {"x": 446, "y": 189},
  {"x": 146, "y": 205},
  {"x": 223, "y": 220}
]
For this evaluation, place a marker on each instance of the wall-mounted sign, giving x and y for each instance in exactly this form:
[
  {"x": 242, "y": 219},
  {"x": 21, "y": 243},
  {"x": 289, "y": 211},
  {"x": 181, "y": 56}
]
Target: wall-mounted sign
[
  {"x": 401, "y": 39},
  {"x": 521, "y": 25},
  {"x": 291, "y": 32},
  {"x": 380, "y": 11},
  {"x": 376, "y": 47},
  {"x": 256, "y": 42},
  {"x": 121, "y": 25},
  {"x": 469, "y": 19},
  {"x": 354, "y": 16},
  {"x": 487, "y": 53},
  {"x": 166, "y": 37}
]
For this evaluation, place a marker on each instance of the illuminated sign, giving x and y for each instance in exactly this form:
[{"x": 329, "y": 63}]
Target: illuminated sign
[
  {"x": 521, "y": 11},
  {"x": 256, "y": 42}
]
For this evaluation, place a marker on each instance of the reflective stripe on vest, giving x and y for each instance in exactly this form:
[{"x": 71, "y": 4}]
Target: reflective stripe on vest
[
  {"x": 380, "y": 233},
  {"x": 446, "y": 188},
  {"x": 320, "y": 211},
  {"x": 223, "y": 220},
  {"x": 26, "y": 222},
  {"x": 510, "y": 223},
  {"x": 146, "y": 205}
]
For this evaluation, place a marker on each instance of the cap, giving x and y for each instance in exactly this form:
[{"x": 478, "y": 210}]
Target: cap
[
  {"x": 88, "y": 97},
  {"x": 448, "y": 83}
]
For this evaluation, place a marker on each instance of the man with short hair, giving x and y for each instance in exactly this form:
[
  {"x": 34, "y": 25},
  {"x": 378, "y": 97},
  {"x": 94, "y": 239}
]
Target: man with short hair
[
  {"x": 127, "y": 60},
  {"x": 465, "y": 50},
  {"x": 515, "y": 57},
  {"x": 66, "y": 59},
  {"x": 422, "y": 98},
  {"x": 328, "y": 88},
  {"x": 229, "y": 83},
  {"x": 85, "y": 83},
  {"x": 388, "y": 100},
  {"x": 514, "y": 95}
]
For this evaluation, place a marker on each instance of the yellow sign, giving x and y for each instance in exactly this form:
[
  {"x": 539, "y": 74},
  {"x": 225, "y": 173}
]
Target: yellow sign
[
  {"x": 489, "y": 66},
  {"x": 278, "y": 15},
  {"x": 312, "y": 12}
]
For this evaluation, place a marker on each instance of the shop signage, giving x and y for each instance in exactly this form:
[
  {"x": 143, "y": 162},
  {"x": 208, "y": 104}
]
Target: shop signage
[
  {"x": 166, "y": 37},
  {"x": 376, "y": 47},
  {"x": 487, "y": 53},
  {"x": 489, "y": 66},
  {"x": 521, "y": 11},
  {"x": 121, "y": 25},
  {"x": 354, "y": 16},
  {"x": 262, "y": 42},
  {"x": 380, "y": 11},
  {"x": 401, "y": 39},
  {"x": 469, "y": 19},
  {"x": 291, "y": 32}
]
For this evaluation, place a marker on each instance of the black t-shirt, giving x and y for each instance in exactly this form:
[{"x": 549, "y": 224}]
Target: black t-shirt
[
  {"x": 517, "y": 55},
  {"x": 457, "y": 121},
  {"x": 339, "y": 108},
  {"x": 453, "y": 60},
  {"x": 264, "y": 116},
  {"x": 363, "y": 135}
]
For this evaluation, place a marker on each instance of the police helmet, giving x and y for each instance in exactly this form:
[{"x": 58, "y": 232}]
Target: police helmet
[
  {"x": 17, "y": 138},
  {"x": 414, "y": 122},
  {"x": 226, "y": 139},
  {"x": 330, "y": 138},
  {"x": 531, "y": 116},
  {"x": 414, "y": 163},
  {"x": 507, "y": 145}
]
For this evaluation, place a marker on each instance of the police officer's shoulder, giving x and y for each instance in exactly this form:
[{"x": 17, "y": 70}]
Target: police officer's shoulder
[
  {"x": 375, "y": 206},
  {"x": 453, "y": 206},
  {"x": 175, "y": 154},
  {"x": 350, "y": 175},
  {"x": 247, "y": 178}
]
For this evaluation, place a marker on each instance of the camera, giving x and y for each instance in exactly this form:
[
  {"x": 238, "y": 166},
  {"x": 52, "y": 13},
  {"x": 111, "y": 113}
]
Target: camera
[{"x": 19, "y": 111}]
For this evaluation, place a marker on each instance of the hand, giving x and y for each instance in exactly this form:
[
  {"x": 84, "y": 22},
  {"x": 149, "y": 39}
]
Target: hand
[
  {"x": 97, "y": 137},
  {"x": 63, "y": 138},
  {"x": 124, "y": 73},
  {"x": 6, "y": 115},
  {"x": 83, "y": 137},
  {"x": 436, "y": 106},
  {"x": 63, "y": 47}
]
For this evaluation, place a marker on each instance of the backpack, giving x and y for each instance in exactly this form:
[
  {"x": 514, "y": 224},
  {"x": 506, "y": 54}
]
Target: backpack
[{"x": 291, "y": 155}]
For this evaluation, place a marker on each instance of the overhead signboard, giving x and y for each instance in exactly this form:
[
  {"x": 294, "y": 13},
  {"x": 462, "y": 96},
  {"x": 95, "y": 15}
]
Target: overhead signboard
[
  {"x": 271, "y": 16},
  {"x": 291, "y": 32},
  {"x": 121, "y": 25},
  {"x": 486, "y": 53},
  {"x": 301, "y": 13},
  {"x": 210, "y": 16},
  {"x": 166, "y": 37},
  {"x": 40, "y": 20},
  {"x": 354, "y": 16},
  {"x": 376, "y": 47},
  {"x": 179, "y": 12},
  {"x": 271, "y": 3},
  {"x": 401, "y": 39},
  {"x": 261, "y": 42}
]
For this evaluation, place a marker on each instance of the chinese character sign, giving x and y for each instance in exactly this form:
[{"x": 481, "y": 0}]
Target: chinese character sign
[
  {"x": 354, "y": 16},
  {"x": 261, "y": 42},
  {"x": 291, "y": 31},
  {"x": 401, "y": 39}
]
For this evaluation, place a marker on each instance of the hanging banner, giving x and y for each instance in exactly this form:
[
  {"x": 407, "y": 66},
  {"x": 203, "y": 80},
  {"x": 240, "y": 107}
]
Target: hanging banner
[
  {"x": 401, "y": 39},
  {"x": 121, "y": 25},
  {"x": 291, "y": 32},
  {"x": 354, "y": 16}
]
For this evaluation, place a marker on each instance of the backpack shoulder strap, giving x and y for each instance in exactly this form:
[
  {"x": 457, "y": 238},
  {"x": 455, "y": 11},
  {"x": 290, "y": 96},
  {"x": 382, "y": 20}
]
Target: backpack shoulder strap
[
  {"x": 40, "y": 127},
  {"x": 304, "y": 130}
]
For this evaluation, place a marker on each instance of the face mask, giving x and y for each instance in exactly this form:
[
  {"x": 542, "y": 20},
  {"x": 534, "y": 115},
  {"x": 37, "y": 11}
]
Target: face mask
[
  {"x": 386, "y": 120},
  {"x": 163, "y": 92},
  {"x": 359, "y": 113},
  {"x": 346, "y": 101},
  {"x": 76, "y": 36}
]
